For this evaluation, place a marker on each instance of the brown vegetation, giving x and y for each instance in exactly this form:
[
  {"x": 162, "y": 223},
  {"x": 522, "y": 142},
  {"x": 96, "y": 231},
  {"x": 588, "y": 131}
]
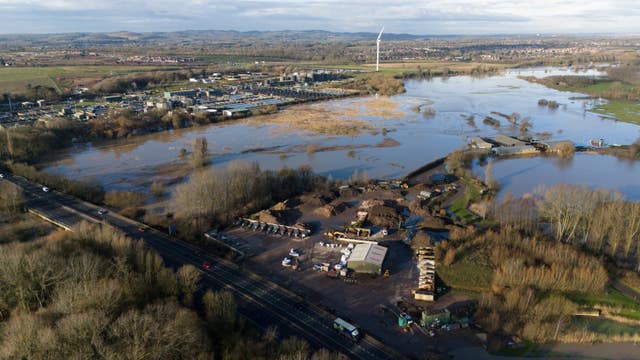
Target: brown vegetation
[
  {"x": 221, "y": 195},
  {"x": 97, "y": 294},
  {"x": 315, "y": 120}
]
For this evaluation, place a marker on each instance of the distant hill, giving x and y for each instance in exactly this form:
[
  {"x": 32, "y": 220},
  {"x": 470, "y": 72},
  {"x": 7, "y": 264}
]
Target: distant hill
[{"x": 79, "y": 40}]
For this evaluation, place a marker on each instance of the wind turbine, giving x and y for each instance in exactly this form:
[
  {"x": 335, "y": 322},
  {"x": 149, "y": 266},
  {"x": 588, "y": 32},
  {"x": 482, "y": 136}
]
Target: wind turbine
[{"x": 378, "y": 50}]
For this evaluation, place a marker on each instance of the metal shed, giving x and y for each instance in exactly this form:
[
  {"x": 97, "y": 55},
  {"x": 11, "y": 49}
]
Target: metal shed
[{"x": 367, "y": 258}]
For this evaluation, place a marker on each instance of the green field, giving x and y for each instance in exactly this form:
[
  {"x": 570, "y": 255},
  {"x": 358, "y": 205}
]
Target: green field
[
  {"x": 460, "y": 205},
  {"x": 610, "y": 298},
  {"x": 620, "y": 110},
  {"x": 17, "y": 79},
  {"x": 604, "y": 326},
  {"x": 466, "y": 274}
]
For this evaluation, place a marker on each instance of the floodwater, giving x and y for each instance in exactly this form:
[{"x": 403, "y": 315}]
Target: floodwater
[
  {"x": 523, "y": 175},
  {"x": 136, "y": 162}
]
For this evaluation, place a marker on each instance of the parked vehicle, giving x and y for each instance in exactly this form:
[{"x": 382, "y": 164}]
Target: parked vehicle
[
  {"x": 294, "y": 252},
  {"x": 45, "y": 189},
  {"x": 407, "y": 317},
  {"x": 206, "y": 265},
  {"x": 346, "y": 329}
]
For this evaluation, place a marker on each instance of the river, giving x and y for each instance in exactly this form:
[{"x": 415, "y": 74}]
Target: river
[{"x": 416, "y": 138}]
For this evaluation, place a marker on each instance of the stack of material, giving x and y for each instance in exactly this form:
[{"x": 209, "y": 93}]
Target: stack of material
[
  {"x": 331, "y": 209},
  {"x": 268, "y": 216},
  {"x": 427, "y": 279},
  {"x": 317, "y": 199},
  {"x": 385, "y": 216},
  {"x": 367, "y": 204}
]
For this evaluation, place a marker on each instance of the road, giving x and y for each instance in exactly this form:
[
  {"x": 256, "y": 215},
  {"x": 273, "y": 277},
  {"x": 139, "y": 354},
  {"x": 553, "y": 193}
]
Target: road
[{"x": 260, "y": 301}]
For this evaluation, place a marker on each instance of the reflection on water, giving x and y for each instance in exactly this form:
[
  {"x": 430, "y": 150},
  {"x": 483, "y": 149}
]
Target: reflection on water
[
  {"x": 522, "y": 175},
  {"x": 422, "y": 138}
]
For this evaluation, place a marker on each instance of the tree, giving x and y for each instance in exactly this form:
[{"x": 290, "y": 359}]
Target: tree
[
  {"x": 188, "y": 278},
  {"x": 11, "y": 198},
  {"x": 199, "y": 152}
]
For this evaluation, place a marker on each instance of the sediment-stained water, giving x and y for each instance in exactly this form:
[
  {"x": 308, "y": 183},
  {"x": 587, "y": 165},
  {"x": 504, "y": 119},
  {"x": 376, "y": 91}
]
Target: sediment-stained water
[{"x": 430, "y": 120}]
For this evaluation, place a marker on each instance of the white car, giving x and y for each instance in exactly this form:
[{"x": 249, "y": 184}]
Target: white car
[
  {"x": 1, "y": 176},
  {"x": 294, "y": 252},
  {"x": 45, "y": 189}
]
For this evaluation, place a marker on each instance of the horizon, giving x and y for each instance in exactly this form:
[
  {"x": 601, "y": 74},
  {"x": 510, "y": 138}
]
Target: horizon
[
  {"x": 448, "y": 17},
  {"x": 375, "y": 33}
]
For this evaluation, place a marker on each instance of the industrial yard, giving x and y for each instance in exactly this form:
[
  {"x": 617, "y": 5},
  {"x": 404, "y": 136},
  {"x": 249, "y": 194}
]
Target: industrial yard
[{"x": 350, "y": 251}]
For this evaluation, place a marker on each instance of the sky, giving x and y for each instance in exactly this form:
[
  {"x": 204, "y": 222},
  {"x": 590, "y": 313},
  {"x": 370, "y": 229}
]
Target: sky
[{"x": 467, "y": 17}]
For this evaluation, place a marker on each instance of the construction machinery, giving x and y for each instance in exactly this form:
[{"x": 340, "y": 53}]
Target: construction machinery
[{"x": 358, "y": 231}]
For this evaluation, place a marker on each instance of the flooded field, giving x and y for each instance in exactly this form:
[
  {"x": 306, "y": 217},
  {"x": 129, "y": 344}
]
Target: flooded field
[
  {"x": 384, "y": 137},
  {"x": 523, "y": 175}
]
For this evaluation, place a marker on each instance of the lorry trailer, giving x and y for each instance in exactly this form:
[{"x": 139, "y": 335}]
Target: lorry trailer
[{"x": 346, "y": 329}]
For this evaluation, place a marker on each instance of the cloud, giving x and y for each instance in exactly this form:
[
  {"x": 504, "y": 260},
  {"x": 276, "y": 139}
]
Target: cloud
[{"x": 420, "y": 17}]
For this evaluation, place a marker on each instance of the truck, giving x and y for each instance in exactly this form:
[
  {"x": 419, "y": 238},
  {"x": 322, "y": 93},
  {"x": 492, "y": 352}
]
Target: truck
[{"x": 346, "y": 329}]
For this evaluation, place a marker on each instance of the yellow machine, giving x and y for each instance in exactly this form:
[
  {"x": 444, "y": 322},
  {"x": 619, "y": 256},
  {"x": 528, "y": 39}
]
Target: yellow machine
[
  {"x": 359, "y": 232},
  {"x": 335, "y": 235}
]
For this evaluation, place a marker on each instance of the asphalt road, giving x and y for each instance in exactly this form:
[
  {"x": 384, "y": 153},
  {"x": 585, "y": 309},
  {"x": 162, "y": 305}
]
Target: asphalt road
[{"x": 260, "y": 301}]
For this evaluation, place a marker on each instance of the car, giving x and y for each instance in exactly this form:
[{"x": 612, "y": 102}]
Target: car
[
  {"x": 102, "y": 211},
  {"x": 1, "y": 176},
  {"x": 407, "y": 317},
  {"x": 141, "y": 229},
  {"x": 45, "y": 189},
  {"x": 206, "y": 265},
  {"x": 294, "y": 253}
]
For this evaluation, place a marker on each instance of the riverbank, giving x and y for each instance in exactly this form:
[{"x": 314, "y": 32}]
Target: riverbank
[{"x": 623, "y": 98}]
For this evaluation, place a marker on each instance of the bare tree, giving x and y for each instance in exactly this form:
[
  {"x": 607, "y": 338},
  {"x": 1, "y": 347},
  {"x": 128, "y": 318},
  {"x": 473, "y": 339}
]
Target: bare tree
[{"x": 199, "y": 152}]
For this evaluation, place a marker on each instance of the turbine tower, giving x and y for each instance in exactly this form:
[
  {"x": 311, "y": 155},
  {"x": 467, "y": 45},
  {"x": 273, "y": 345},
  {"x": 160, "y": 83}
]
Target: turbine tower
[{"x": 378, "y": 50}]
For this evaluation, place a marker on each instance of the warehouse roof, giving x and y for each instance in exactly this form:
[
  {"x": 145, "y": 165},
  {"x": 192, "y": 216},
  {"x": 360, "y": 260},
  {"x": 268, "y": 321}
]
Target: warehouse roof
[
  {"x": 504, "y": 140},
  {"x": 370, "y": 253}
]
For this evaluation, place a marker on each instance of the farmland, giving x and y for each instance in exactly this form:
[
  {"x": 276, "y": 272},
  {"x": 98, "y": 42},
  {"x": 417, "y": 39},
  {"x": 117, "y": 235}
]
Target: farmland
[{"x": 20, "y": 79}]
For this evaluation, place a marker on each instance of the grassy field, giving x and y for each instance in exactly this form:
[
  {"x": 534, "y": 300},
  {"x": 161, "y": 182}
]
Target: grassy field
[
  {"x": 435, "y": 67},
  {"x": 17, "y": 79},
  {"x": 631, "y": 280},
  {"x": 459, "y": 205},
  {"x": 466, "y": 274},
  {"x": 611, "y": 298},
  {"x": 604, "y": 326},
  {"x": 620, "y": 110}
]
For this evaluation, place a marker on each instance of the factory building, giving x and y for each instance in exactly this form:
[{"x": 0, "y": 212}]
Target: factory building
[{"x": 367, "y": 258}]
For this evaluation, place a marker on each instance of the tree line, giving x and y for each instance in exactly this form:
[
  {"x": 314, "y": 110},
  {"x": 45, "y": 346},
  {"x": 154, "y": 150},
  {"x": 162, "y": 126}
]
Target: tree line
[
  {"x": 543, "y": 249},
  {"x": 95, "y": 293},
  {"x": 220, "y": 195}
]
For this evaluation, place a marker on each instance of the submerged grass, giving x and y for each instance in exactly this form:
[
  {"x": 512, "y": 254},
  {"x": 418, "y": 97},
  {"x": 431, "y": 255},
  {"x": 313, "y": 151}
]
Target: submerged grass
[
  {"x": 316, "y": 120},
  {"x": 620, "y": 110}
]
